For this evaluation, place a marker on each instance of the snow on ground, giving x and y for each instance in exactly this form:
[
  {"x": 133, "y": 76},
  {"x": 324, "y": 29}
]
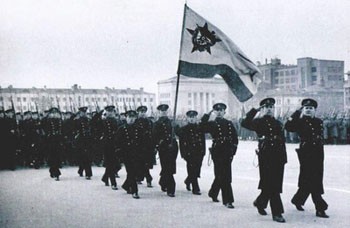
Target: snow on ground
[{"x": 30, "y": 198}]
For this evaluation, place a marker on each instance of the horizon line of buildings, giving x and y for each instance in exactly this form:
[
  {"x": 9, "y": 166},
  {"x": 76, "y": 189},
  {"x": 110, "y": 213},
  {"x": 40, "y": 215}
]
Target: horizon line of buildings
[
  {"x": 70, "y": 99},
  {"x": 322, "y": 80}
]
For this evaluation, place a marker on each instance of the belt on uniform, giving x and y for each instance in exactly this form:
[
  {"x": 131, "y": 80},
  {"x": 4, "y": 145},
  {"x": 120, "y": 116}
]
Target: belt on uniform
[
  {"x": 270, "y": 138},
  {"x": 222, "y": 139}
]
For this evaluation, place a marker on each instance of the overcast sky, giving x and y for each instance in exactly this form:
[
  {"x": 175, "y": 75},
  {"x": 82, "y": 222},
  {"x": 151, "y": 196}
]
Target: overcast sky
[{"x": 135, "y": 43}]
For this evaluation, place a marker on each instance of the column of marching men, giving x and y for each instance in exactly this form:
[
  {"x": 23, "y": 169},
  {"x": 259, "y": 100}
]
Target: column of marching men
[{"x": 111, "y": 139}]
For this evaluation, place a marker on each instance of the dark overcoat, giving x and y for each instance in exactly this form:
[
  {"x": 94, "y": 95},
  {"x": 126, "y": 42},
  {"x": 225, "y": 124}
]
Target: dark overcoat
[
  {"x": 310, "y": 152},
  {"x": 224, "y": 147},
  {"x": 192, "y": 145},
  {"x": 272, "y": 154},
  {"x": 164, "y": 139},
  {"x": 145, "y": 126}
]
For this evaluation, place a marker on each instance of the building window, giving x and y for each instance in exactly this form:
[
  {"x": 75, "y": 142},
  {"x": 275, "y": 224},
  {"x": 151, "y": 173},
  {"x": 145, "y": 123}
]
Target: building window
[
  {"x": 313, "y": 78},
  {"x": 138, "y": 99},
  {"x": 189, "y": 102},
  {"x": 313, "y": 69},
  {"x": 151, "y": 99},
  {"x": 276, "y": 74},
  {"x": 189, "y": 95},
  {"x": 104, "y": 99},
  {"x": 18, "y": 99},
  {"x": 281, "y": 73},
  {"x": 287, "y": 73},
  {"x": 145, "y": 99},
  {"x": 292, "y": 72},
  {"x": 164, "y": 95},
  {"x": 87, "y": 99}
]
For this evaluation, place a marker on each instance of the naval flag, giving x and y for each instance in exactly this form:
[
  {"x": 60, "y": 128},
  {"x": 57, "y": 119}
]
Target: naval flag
[{"x": 206, "y": 51}]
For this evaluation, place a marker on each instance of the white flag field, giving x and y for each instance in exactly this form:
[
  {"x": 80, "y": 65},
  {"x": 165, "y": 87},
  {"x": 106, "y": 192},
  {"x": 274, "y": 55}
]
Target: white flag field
[{"x": 206, "y": 51}]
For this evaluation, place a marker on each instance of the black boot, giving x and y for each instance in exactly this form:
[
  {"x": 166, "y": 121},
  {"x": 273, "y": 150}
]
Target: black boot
[
  {"x": 278, "y": 218},
  {"x": 135, "y": 196},
  {"x": 298, "y": 206},
  {"x": 214, "y": 198},
  {"x": 229, "y": 205},
  {"x": 261, "y": 210},
  {"x": 321, "y": 214}
]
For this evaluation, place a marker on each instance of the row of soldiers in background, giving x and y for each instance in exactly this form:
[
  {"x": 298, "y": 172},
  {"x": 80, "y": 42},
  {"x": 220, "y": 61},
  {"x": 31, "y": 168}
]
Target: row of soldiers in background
[
  {"x": 26, "y": 141},
  {"x": 336, "y": 130}
]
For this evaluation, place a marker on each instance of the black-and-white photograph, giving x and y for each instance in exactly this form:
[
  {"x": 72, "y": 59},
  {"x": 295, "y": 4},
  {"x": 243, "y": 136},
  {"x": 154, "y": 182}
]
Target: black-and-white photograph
[{"x": 163, "y": 113}]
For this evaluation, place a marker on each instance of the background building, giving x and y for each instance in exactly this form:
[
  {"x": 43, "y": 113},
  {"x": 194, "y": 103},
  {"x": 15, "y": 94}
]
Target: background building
[
  {"x": 347, "y": 94},
  {"x": 322, "y": 80},
  {"x": 196, "y": 94},
  {"x": 70, "y": 99}
]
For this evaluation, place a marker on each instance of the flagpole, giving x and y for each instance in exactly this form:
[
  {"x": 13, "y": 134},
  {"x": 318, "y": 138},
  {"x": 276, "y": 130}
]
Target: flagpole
[{"x": 178, "y": 68}]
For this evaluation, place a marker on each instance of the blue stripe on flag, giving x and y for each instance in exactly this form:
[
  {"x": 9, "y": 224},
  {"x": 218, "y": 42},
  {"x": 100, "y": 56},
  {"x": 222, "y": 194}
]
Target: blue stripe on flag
[{"x": 231, "y": 78}]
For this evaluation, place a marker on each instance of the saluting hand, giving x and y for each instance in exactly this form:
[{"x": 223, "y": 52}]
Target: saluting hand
[
  {"x": 212, "y": 117},
  {"x": 258, "y": 109}
]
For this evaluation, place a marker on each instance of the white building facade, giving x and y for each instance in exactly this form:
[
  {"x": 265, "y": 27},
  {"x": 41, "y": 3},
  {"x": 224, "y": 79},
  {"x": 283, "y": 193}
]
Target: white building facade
[
  {"x": 196, "y": 94},
  {"x": 70, "y": 99}
]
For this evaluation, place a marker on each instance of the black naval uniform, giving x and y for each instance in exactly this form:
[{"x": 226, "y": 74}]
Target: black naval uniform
[
  {"x": 192, "y": 150},
  {"x": 166, "y": 143},
  {"x": 8, "y": 152},
  {"x": 311, "y": 158},
  {"x": 97, "y": 145},
  {"x": 224, "y": 148},
  {"x": 84, "y": 144},
  {"x": 54, "y": 140},
  {"x": 110, "y": 126},
  {"x": 31, "y": 139},
  {"x": 128, "y": 145},
  {"x": 272, "y": 157},
  {"x": 145, "y": 161},
  {"x": 69, "y": 133}
]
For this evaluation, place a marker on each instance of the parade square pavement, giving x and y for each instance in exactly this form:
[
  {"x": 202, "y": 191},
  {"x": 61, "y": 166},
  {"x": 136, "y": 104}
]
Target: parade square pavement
[{"x": 30, "y": 198}]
